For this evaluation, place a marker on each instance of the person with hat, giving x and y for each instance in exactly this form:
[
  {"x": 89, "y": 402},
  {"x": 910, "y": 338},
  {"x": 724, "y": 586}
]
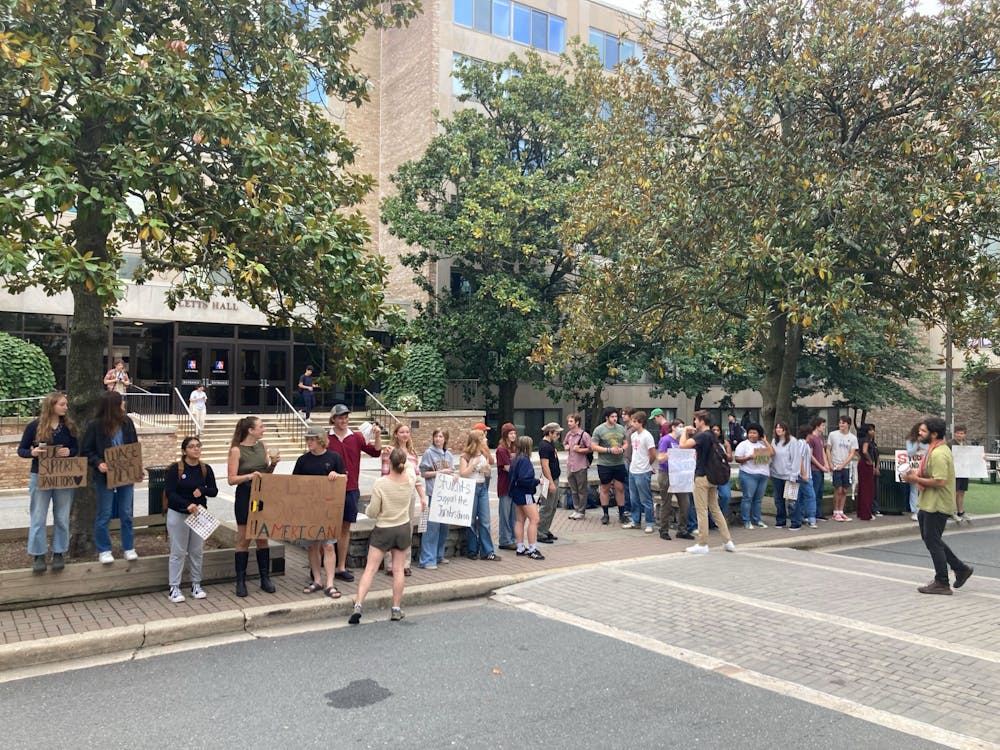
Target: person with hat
[
  {"x": 349, "y": 444},
  {"x": 549, "y": 460},
  {"x": 318, "y": 461},
  {"x": 506, "y": 450},
  {"x": 660, "y": 419}
]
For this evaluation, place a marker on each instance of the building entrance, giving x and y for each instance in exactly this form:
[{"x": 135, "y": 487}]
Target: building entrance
[
  {"x": 210, "y": 365},
  {"x": 261, "y": 369}
]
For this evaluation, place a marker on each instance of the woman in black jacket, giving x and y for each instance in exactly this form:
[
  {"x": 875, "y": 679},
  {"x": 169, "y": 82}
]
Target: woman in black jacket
[
  {"x": 110, "y": 427},
  {"x": 189, "y": 485}
]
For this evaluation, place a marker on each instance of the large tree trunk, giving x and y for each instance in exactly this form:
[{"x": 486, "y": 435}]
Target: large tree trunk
[
  {"x": 505, "y": 400},
  {"x": 596, "y": 409},
  {"x": 781, "y": 357}
]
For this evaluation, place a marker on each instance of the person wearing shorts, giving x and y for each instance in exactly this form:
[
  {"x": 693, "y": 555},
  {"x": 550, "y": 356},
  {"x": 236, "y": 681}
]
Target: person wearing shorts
[
  {"x": 523, "y": 486},
  {"x": 841, "y": 450},
  {"x": 318, "y": 461},
  {"x": 608, "y": 444}
]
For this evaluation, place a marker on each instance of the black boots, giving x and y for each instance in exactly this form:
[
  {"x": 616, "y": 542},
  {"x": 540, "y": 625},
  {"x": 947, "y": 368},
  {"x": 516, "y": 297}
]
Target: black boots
[
  {"x": 241, "y": 573},
  {"x": 264, "y": 564}
]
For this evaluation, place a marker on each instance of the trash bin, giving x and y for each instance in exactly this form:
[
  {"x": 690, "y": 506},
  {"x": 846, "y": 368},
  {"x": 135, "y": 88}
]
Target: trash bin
[
  {"x": 157, "y": 485},
  {"x": 893, "y": 497}
]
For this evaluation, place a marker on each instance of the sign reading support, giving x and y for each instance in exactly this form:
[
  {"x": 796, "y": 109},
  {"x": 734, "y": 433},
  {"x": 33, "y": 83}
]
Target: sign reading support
[
  {"x": 452, "y": 500},
  {"x": 55, "y": 473}
]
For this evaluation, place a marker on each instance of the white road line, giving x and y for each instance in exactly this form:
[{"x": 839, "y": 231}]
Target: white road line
[{"x": 782, "y": 687}]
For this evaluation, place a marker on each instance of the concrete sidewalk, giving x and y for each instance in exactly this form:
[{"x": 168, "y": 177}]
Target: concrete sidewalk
[{"x": 66, "y": 631}]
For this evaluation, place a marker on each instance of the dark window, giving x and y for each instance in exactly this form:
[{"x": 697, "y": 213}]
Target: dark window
[
  {"x": 46, "y": 323},
  {"x": 213, "y": 330},
  {"x": 10, "y": 321},
  {"x": 264, "y": 333}
]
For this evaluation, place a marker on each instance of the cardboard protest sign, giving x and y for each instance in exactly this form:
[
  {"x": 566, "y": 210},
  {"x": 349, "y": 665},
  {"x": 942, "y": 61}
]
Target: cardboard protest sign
[
  {"x": 55, "y": 473},
  {"x": 124, "y": 465},
  {"x": 293, "y": 508},
  {"x": 902, "y": 465},
  {"x": 970, "y": 461},
  {"x": 681, "y": 462},
  {"x": 452, "y": 500}
]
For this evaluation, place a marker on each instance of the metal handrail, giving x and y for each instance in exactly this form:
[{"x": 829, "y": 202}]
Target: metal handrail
[
  {"x": 296, "y": 427},
  {"x": 384, "y": 408},
  {"x": 194, "y": 428}
]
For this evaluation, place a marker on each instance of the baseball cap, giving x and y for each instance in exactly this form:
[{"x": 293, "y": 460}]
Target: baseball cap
[
  {"x": 656, "y": 413},
  {"x": 340, "y": 409},
  {"x": 315, "y": 432},
  {"x": 551, "y": 427},
  {"x": 480, "y": 426}
]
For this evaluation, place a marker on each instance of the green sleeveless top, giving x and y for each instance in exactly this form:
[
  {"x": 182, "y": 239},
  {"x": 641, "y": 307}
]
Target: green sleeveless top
[{"x": 252, "y": 458}]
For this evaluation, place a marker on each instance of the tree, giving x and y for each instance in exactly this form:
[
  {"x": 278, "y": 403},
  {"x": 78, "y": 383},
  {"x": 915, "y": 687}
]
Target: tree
[
  {"x": 487, "y": 199},
  {"x": 782, "y": 162},
  {"x": 180, "y": 130}
]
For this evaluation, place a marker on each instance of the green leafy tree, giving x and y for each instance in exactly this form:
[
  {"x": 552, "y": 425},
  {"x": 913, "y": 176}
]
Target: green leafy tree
[
  {"x": 180, "y": 130},
  {"x": 420, "y": 372},
  {"x": 783, "y": 162},
  {"x": 25, "y": 372},
  {"x": 488, "y": 198}
]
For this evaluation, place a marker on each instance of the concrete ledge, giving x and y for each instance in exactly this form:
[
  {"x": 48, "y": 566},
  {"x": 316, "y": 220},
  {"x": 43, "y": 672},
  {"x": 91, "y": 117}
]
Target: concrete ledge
[
  {"x": 65, "y": 647},
  {"x": 163, "y": 632}
]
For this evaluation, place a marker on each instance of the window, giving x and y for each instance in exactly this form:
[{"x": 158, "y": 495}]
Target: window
[
  {"x": 539, "y": 30},
  {"x": 463, "y": 12},
  {"x": 557, "y": 35},
  {"x": 522, "y": 24},
  {"x": 612, "y": 50},
  {"x": 511, "y": 20},
  {"x": 481, "y": 20},
  {"x": 501, "y": 18}
]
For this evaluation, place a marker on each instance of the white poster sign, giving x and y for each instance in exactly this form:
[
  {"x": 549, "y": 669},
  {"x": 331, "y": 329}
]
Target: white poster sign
[
  {"x": 970, "y": 461},
  {"x": 902, "y": 465},
  {"x": 452, "y": 500},
  {"x": 681, "y": 465}
]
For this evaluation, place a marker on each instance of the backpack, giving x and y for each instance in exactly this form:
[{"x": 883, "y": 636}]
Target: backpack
[{"x": 717, "y": 465}]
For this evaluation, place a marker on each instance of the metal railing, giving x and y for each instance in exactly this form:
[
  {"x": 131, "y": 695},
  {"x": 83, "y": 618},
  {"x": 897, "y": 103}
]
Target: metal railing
[
  {"x": 184, "y": 419},
  {"x": 288, "y": 420},
  {"x": 14, "y": 412},
  {"x": 378, "y": 412},
  {"x": 154, "y": 409}
]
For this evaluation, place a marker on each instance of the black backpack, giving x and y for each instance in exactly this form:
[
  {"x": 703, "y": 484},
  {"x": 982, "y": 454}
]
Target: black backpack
[{"x": 717, "y": 465}]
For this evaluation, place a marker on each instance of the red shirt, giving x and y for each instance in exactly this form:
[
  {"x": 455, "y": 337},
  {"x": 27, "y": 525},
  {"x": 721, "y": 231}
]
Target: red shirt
[
  {"x": 504, "y": 458},
  {"x": 350, "y": 450}
]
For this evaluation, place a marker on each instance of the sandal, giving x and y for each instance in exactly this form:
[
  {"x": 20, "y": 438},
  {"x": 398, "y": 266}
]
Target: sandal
[
  {"x": 332, "y": 592},
  {"x": 312, "y": 588}
]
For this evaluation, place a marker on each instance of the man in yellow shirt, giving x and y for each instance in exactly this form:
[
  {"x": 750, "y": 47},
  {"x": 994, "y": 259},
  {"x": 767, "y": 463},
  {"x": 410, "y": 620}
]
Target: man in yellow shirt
[{"x": 935, "y": 480}]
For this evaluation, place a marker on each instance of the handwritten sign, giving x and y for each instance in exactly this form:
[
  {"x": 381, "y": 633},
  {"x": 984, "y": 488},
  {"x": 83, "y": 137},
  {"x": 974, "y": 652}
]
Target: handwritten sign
[
  {"x": 55, "y": 473},
  {"x": 681, "y": 464},
  {"x": 970, "y": 461},
  {"x": 124, "y": 465},
  {"x": 452, "y": 501},
  {"x": 293, "y": 508}
]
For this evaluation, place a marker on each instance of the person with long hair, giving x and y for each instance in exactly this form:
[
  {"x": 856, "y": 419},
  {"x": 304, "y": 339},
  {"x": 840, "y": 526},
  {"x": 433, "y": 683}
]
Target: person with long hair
[
  {"x": 110, "y": 427},
  {"x": 474, "y": 463},
  {"x": 867, "y": 471},
  {"x": 52, "y": 429},
  {"x": 437, "y": 460},
  {"x": 390, "y": 507},
  {"x": 915, "y": 449},
  {"x": 189, "y": 485},
  {"x": 506, "y": 450},
  {"x": 523, "y": 486},
  {"x": 248, "y": 459},
  {"x": 402, "y": 439},
  {"x": 784, "y": 468}
]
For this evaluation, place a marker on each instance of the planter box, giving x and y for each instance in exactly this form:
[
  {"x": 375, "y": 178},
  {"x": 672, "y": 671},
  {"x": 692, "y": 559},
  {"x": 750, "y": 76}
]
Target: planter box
[{"x": 91, "y": 580}]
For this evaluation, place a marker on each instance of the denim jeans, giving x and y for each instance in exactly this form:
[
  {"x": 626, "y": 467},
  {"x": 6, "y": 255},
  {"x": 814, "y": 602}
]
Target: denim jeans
[
  {"x": 432, "y": 542},
  {"x": 753, "y": 486},
  {"x": 478, "y": 537},
  {"x": 806, "y": 503},
  {"x": 625, "y": 485},
  {"x": 105, "y": 501},
  {"x": 641, "y": 491},
  {"x": 725, "y": 498},
  {"x": 818, "y": 491},
  {"x": 780, "y": 512},
  {"x": 508, "y": 517},
  {"x": 62, "y": 501},
  {"x": 913, "y": 498}
]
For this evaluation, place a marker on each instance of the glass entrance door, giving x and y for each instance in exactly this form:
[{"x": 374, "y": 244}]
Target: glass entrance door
[
  {"x": 262, "y": 368},
  {"x": 209, "y": 365}
]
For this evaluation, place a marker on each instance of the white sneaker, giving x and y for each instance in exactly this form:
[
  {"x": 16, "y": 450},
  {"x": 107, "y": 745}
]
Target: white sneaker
[
  {"x": 575, "y": 516},
  {"x": 175, "y": 595},
  {"x": 106, "y": 558},
  {"x": 913, "y": 517},
  {"x": 629, "y": 525},
  {"x": 729, "y": 546},
  {"x": 748, "y": 526},
  {"x": 698, "y": 549},
  {"x": 131, "y": 554},
  {"x": 761, "y": 525},
  {"x": 197, "y": 592},
  {"x": 648, "y": 530}
]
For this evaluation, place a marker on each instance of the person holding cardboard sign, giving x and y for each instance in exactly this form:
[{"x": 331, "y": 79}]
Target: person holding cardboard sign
[
  {"x": 52, "y": 430},
  {"x": 319, "y": 461},
  {"x": 110, "y": 428},
  {"x": 248, "y": 458}
]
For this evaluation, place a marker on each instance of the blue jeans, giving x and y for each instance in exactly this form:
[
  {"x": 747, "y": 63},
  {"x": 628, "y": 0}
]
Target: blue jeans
[
  {"x": 818, "y": 491},
  {"x": 913, "y": 498},
  {"x": 780, "y": 513},
  {"x": 106, "y": 499},
  {"x": 432, "y": 542},
  {"x": 641, "y": 490},
  {"x": 806, "y": 504},
  {"x": 725, "y": 498},
  {"x": 626, "y": 493},
  {"x": 478, "y": 537},
  {"x": 508, "y": 517},
  {"x": 62, "y": 501},
  {"x": 753, "y": 486}
]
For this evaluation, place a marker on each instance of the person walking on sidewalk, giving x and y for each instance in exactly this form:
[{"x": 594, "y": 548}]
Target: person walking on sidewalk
[
  {"x": 506, "y": 450},
  {"x": 437, "y": 460},
  {"x": 706, "y": 495},
  {"x": 548, "y": 459},
  {"x": 523, "y": 489},
  {"x": 189, "y": 485},
  {"x": 577, "y": 443},
  {"x": 935, "y": 482},
  {"x": 320, "y": 461},
  {"x": 248, "y": 459},
  {"x": 53, "y": 432},
  {"x": 390, "y": 507},
  {"x": 110, "y": 427}
]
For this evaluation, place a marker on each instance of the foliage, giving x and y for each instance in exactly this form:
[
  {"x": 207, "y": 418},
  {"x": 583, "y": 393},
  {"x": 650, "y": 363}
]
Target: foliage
[
  {"x": 25, "y": 372},
  {"x": 781, "y": 163},
  {"x": 179, "y": 131},
  {"x": 418, "y": 378},
  {"x": 487, "y": 199}
]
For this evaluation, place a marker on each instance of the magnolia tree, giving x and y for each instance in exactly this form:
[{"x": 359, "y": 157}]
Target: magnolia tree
[
  {"x": 182, "y": 131},
  {"x": 786, "y": 165}
]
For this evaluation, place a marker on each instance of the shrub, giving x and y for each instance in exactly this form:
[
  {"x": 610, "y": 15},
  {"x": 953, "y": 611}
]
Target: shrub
[
  {"x": 419, "y": 378},
  {"x": 25, "y": 372}
]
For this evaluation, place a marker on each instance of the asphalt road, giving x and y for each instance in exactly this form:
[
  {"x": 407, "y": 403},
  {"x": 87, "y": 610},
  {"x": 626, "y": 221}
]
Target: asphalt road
[
  {"x": 979, "y": 547},
  {"x": 480, "y": 675}
]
